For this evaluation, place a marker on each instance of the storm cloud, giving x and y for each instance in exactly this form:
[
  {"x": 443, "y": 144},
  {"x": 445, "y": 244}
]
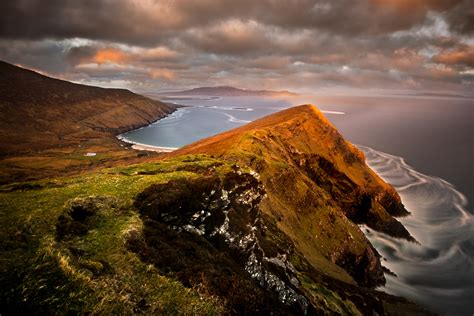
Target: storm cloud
[{"x": 287, "y": 44}]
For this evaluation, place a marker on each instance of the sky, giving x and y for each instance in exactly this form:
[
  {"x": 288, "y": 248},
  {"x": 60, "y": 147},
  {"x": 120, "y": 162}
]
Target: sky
[{"x": 368, "y": 46}]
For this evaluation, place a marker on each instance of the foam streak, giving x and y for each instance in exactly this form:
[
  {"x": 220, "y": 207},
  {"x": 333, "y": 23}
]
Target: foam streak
[{"x": 438, "y": 272}]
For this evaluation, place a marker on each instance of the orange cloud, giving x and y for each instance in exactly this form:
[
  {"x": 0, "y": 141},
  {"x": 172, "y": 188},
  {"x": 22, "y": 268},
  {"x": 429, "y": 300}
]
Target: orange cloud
[
  {"x": 441, "y": 72},
  {"x": 157, "y": 53},
  {"x": 400, "y": 5},
  {"x": 464, "y": 56},
  {"x": 110, "y": 55},
  {"x": 162, "y": 74},
  {"x": 415, "y": 6},
  {"x": 407, "y": 59}
]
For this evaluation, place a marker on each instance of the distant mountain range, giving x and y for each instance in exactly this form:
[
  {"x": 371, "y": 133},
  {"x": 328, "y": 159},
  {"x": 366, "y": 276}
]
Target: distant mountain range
[{"x": 230, "y": 91}]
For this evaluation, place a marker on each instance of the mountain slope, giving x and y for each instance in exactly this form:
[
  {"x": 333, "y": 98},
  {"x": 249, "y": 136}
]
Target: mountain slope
[
  {"x": 181, "y": 236},
  {"x": 48, "y": 125},
  {"x": 231, "y": 91},
  {"x": 265, "y": 226},
  {"x": 40, "y": 112},
  {"x": 318, "y": 188}
]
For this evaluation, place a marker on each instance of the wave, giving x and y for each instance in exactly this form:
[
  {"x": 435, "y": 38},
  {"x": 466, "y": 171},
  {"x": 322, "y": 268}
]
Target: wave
[
  {"x": 244, "y": 109},
  {"x": 191, "y": 98},
  {"x": 176, "y": 115},
  {"x": 233, "y": 119},
  {"x": 439, "y": 271},
  {"x": 333, "y": 112}
]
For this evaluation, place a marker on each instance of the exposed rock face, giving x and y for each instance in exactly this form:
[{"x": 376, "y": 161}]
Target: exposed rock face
[
  {"x": 225, "y": 214},
  {"x": 358, "y": 204},
  {"x": 212, "y": 234}
]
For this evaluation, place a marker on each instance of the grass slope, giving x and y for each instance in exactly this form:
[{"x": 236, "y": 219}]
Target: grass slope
[
  {"x": 94, "y": 272},
  {"x": 56, "y": 260},
  {"x": 48, "y": 125}
]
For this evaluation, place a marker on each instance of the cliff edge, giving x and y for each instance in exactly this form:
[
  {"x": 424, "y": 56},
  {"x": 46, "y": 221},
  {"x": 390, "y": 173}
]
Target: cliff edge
[{"x": 318, "y": 189}]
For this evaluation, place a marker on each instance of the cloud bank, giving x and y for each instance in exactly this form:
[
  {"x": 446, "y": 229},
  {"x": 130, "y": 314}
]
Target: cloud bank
[{"x": 287, "y": 44}]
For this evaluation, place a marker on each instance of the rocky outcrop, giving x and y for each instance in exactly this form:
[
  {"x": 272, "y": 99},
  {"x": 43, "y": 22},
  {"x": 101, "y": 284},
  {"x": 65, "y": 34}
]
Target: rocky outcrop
[
  {"x": 360, "y": 204},
  {"x": 222, "y": 219},
  {"x": 211, "y": 233}
]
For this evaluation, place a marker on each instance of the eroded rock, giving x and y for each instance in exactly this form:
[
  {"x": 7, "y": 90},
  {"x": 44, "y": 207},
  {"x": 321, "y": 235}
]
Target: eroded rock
[{"x": 223, "y": 212}]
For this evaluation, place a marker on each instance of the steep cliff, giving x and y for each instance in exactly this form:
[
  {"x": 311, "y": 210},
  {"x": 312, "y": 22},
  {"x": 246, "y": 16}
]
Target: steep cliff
[
  {"x": 261, "y": 219},
  {"x": 182, "y": 236},
  {"x": 319, "y": 188}
]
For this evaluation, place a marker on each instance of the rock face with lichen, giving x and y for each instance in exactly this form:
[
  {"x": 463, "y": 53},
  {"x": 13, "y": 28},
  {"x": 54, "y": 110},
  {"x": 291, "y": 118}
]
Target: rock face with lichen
[
  {"x": 212, "y": 233},
  {"x": 223, "y": 213}
]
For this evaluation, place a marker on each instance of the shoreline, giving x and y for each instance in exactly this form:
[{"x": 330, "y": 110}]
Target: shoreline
[
  {"x": 164, "y": 149},
  {"x": 145, "y": 147},
  {"x": 158, "y": 149}
]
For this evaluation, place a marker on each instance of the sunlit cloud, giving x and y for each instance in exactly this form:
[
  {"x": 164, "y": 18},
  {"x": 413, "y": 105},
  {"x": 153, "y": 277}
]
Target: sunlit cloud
[
  {"x": 284, "y": 45},
  {"x": 463, "y": 56},
  {"x": 163, "y": 73},
  {"x": 110, "y": 55}
]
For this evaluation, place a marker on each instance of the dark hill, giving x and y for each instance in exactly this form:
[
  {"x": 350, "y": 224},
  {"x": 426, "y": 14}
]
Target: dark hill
[
  {"x": 39, "y": 112},
  {"x": 48, "y": 125}
]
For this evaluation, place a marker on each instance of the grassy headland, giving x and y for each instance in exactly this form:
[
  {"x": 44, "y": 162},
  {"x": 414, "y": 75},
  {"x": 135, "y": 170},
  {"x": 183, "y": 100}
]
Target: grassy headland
[{"x": 260, "y": 219}]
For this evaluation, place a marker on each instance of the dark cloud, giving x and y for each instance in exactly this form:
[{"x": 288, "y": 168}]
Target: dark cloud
[
  {"x": 422, "y": 44},
  {"x": 149, "y": 22},
  {"x": 47, "y": 56},
  {"x": 114, "y": 20},
  {"x": 79, "y": 54},
  {"x": 461, "y": 17}
]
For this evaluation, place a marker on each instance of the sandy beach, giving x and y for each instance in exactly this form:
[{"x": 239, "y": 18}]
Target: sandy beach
[
  {"x": 139, "y": 146},
  {"x": 153, "y": 148}
]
